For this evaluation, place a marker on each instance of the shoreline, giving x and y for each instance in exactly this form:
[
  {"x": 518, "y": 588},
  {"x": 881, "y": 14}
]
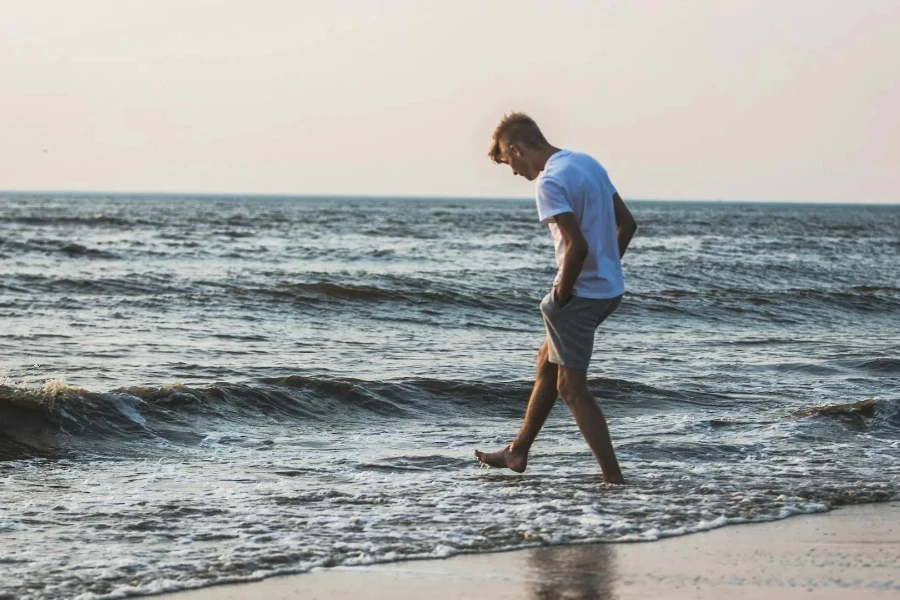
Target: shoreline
[{"x": 850, "y": 551}]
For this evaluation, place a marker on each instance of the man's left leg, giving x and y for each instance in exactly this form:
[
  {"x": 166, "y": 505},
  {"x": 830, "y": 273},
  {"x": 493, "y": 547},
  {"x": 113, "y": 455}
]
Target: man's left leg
[
  {"x": 543, "y": 397},
  {"x": 572, "y": 386}
]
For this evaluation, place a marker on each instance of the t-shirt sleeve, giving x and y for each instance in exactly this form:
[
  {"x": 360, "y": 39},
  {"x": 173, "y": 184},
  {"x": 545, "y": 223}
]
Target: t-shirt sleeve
[{"x": 551, "y": 199}]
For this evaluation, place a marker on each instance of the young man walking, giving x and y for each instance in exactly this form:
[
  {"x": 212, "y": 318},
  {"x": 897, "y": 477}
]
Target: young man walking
[{"x": 591, "y": 228}]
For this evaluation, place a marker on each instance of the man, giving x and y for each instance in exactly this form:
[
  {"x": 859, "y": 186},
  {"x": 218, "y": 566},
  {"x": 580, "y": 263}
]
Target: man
[{"x": 591, "y": 228}]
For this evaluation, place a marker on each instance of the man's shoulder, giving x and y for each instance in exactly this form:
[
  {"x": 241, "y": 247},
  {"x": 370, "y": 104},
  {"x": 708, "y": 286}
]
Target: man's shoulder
[
  {"x": 559, "y": 178},
  {"x": 586, "y": 160},
  {"x": 570, "y": 161}
]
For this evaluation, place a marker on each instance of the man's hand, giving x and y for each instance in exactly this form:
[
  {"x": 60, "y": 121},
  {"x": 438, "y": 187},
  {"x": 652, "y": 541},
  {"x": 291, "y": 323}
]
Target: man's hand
[
  {"x": 573, "y": 261},
  {"x": 625, "y": 224},
  {"x": 559, "y": 299}
]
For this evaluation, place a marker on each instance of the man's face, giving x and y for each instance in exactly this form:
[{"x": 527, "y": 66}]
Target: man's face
[{"x": 517, "y": 159}]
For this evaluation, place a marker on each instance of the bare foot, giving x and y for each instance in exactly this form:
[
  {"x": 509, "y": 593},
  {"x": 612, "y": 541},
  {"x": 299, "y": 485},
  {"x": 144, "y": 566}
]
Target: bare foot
[{"x": 503, "y": 459}]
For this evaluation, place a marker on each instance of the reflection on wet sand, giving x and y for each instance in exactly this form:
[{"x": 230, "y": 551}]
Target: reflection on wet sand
[{"x": 585, "y": 572}]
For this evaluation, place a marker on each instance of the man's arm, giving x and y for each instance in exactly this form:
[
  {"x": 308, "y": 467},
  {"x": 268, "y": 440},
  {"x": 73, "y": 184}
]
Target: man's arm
[
  {"x": 573, "y": 260},
  {"x": 625, "y": 224}
]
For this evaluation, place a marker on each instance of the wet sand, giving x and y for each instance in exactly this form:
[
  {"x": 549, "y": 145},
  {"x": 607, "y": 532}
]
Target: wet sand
[{"x": 850, "y": 552}]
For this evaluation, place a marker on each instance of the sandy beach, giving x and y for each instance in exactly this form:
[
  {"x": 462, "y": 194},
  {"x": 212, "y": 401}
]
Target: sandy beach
[{"x": 850, "y": 552}]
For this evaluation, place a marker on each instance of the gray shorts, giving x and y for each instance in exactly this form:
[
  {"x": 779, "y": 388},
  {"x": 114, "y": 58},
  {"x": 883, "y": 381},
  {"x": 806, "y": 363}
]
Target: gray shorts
[{"x": 570, "y": 328}]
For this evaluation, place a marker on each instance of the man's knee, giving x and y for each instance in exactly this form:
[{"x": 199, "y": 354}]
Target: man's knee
[
  {"x": 543, "y": 367},
  {"x": 572, "y": 385}
]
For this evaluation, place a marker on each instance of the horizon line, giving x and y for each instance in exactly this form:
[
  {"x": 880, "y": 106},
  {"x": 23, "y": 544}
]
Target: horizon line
[{"x": 307, "y": 196}]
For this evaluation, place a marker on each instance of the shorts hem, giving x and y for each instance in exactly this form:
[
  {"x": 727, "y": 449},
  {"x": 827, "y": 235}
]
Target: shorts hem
[{"x": 568, "y": 366}]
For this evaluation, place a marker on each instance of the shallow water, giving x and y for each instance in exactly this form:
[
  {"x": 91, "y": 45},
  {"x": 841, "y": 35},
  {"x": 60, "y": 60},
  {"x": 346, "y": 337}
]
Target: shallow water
[{"x": 205, "y": 389}]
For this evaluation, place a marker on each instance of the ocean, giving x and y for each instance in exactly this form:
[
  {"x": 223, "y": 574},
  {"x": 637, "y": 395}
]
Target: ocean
[{"x": 199, "y": 390}]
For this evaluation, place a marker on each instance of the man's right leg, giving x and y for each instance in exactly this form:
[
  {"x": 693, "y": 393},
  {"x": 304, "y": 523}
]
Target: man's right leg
[
  {"x": 575, "y": 393},
  {"x": 543, "y": 397}
]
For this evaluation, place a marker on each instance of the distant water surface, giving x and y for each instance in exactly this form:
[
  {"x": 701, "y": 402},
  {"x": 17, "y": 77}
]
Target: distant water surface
[{"x": 209, "y": 389}]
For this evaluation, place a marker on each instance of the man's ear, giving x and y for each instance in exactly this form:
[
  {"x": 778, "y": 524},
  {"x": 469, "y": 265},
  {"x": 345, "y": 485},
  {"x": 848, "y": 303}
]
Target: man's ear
[{"x": 513, "y": 150}]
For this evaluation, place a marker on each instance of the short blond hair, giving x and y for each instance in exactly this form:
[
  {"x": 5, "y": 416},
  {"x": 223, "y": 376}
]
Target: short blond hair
[{"x": 516, "y": 128}]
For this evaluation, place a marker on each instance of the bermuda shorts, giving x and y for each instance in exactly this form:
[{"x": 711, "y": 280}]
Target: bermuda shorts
[{"x": 571, "y": 328}]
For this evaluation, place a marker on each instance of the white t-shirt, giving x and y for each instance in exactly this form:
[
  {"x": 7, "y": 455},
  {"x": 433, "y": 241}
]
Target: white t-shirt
[{"x": 576, "y": 183}]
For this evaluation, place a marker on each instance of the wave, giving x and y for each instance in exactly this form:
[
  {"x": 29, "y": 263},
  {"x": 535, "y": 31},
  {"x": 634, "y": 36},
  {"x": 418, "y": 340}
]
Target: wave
[
  {"x": 775, "y": 305},
  {"x": 48, "y": 418},
  {"x": 771, "y": 295},
  {"x": 90, "y": 220},
  {"x": 75, "y": 250},
  {"x": 409, "y": 292},
  {"x": 133, "y": 284},
  {"x": 863, "y": 408},
  {"x": 58, "y": 419},
  {"x": 880, "y": 414},
  {"x": 889, "y": 366},
  {"x": 778, "y": 305},
  {"x": 69, "y": 248}
]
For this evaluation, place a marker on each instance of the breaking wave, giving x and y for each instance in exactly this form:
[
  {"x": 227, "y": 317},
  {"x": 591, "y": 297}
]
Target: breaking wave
[{"x": 50, "y": 419}]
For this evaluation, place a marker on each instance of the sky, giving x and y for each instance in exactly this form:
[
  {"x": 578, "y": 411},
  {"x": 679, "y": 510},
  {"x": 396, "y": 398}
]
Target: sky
[{"x": 698, "y": 99}]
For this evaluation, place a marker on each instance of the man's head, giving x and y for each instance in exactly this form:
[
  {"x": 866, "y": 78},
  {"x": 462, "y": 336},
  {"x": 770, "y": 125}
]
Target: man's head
[{"x": 519, "y": 143}]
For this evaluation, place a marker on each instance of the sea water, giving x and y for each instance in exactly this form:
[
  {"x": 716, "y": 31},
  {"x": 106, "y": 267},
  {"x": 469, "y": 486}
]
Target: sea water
[{"x": 208, "y": 389}]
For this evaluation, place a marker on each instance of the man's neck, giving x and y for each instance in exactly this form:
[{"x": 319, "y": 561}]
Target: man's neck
[{"x": 544, "y": 155}]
